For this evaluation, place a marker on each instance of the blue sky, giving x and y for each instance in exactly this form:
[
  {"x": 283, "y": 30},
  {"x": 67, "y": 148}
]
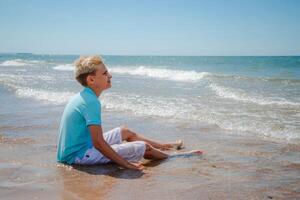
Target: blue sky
[{"x": 153, "y": 27}]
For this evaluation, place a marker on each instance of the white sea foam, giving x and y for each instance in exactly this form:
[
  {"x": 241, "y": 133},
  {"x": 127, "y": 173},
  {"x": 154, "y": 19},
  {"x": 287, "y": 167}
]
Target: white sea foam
[
  {"x": 142, "y": 105},
  {"x": 43, "y": 95},
  {"x": 162, "y": 73},
  {"x": 166, "y": 107},
  {"x": 240, "y": 95},
  {"x": 16, "y": 62},
  {"x": 170, "y": 108},
  {"x": 19, "y": 84},
  {"x": 179, "y": 109},
  {"x": 15, "y": 79},
  {"x": 20, "y": 62},
  {"x": 260, "y": 128},
  {"x": 64, "y": 67}
]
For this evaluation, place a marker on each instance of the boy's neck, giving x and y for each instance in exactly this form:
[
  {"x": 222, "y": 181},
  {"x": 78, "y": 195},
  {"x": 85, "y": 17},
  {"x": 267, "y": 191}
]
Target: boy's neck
[{"x": 96, "y": 91}]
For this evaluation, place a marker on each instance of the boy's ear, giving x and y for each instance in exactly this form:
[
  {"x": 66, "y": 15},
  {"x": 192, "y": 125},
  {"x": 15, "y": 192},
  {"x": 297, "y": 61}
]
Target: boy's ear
[{"x": 89, "y": 79}]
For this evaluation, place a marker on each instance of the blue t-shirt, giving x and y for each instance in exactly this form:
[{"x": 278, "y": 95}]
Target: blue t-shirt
[{"x": 83, "y": 109}]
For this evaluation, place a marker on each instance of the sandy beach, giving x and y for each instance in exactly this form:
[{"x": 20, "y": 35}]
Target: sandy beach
[{"x": 233, "y": 167}]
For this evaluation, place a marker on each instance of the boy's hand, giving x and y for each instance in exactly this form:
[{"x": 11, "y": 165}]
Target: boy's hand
[{"x": 136, "y": 166}]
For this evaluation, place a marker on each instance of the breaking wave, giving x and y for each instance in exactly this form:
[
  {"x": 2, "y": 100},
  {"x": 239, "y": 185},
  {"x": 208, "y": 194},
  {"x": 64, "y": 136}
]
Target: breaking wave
[
  {"x": 240, "y": 95},
  {"x": 20, "y": 62}
]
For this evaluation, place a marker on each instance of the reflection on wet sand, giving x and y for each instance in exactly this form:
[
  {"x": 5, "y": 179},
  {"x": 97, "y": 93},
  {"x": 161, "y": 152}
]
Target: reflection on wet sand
[
  {"x": 91, "y": 182},
  {"x": 15, "y": 141}
]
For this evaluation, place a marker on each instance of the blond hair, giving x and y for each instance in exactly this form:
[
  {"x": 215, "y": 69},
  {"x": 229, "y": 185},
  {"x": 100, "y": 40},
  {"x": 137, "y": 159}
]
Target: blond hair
[{"x": 85, "y": 66}]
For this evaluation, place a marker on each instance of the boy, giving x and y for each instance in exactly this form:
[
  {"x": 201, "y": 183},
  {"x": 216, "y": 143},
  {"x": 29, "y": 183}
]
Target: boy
[{"x": 81, "y": 139}]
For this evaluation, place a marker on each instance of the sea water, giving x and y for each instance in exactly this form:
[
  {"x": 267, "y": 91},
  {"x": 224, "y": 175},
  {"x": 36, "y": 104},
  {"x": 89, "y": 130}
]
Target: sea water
[{"x": 241, "y": 95}]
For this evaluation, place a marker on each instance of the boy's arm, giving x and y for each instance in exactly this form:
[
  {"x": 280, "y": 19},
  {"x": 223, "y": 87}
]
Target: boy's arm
[{"x": 101, "y": 145}]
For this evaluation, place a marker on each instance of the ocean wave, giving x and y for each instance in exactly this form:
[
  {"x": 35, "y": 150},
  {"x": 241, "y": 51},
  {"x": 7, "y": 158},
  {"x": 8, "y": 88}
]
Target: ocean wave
[
  {"x": 264, "y": 129},
  {"x": 13, "y": 79},
  {"x": 64, "y": 67},
  {"x": 20, "y": 62},
  {"x": 162, "y": 73},
  {"x": 43, "y": 95},
  {"x": 256, "y": 79},
  {"x": 240, "y": 95},
  {"x": 262, "y": 79},
  {"x": 18, "y": 85}
]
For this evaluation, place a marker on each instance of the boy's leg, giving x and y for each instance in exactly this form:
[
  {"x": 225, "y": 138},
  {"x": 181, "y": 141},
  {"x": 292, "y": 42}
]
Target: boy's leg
[
  {"x": 152, "y": 153},
  {"x": 135, "y": 151},
  {"x": 131, "y": 136},
  {"x": 113, "y": 136},
  {"x": 155, "y": 154},
  {"x": 132, "y": 151}
]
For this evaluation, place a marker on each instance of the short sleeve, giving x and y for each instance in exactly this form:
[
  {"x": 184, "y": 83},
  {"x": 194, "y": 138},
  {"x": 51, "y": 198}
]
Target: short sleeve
[{"x": 92, "y": 113}]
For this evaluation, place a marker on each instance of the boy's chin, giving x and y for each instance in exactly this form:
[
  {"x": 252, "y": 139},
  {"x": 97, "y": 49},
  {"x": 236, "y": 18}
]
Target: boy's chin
[{"x": 108, "y": 86}]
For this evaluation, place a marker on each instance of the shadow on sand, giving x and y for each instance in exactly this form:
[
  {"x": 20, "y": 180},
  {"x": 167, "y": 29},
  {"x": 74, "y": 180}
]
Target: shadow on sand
[
  {"x": 115, "y": 171},
  {"x": 112, "y": 170}
]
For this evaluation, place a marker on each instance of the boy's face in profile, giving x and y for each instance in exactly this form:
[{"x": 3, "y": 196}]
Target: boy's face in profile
[{"x": 101, "y": 79}]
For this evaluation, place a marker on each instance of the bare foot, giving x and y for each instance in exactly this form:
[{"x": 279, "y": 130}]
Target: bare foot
[
  {"x": 176, "y": 145},
  {"x": 188, "y": 153},
  {"x": 196, "y": 152}
]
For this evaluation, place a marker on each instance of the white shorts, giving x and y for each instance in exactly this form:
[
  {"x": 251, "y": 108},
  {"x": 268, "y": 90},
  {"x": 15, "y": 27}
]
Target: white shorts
[{"x": 131, "y": 151}]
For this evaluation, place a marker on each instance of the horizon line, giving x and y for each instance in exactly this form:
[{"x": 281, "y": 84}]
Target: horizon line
[{"x": 155, "y": 55}]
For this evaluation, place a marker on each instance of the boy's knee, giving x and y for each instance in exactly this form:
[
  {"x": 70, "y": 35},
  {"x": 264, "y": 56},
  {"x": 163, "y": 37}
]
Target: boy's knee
[
  {"x": 129, "y": 134},
  {"x": 148, "y": 146},
  {"x": 124, "y": 128}
]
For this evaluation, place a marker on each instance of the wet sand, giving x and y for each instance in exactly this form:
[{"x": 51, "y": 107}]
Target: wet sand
[{"x": 233, "y": 167}]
